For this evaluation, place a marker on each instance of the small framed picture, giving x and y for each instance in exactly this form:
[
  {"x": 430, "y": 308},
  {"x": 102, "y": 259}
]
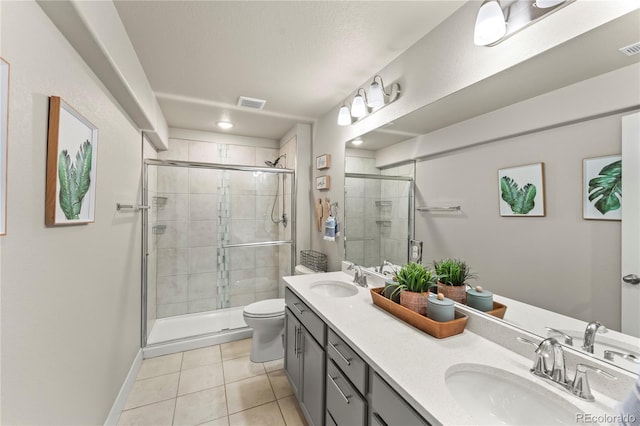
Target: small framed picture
[
  {"x": 72, "y": 151},
  {"x": 323, "y": 161},
  {"x": 602, "y": 188},
  {"x": 521, "y": 190},
  {"x": 323, "y": 182}
]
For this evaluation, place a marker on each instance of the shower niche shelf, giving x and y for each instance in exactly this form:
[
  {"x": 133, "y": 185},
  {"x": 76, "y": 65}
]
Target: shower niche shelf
[
  {"x": 383, "y": 203},
  {"x": 158, "y": 229},
  {"x": 160, "y": 201}
]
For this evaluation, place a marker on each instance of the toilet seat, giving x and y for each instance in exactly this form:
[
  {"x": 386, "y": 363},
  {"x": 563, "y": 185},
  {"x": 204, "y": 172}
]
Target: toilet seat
[{"x": 269, "y": 308}]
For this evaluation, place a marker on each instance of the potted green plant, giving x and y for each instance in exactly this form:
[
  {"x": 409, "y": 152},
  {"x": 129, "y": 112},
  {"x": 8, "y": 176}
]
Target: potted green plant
[
  {"x": 453, "y": 276},
  {"x": 413, "y": 283}
]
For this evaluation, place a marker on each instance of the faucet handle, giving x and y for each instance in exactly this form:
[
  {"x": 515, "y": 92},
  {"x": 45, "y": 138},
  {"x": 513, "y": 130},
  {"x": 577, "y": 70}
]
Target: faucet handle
[
  {"x": 580, "y": 385},
  {"x": 609, "y": 355},
  {"x": 568, "y": 340},
  {"x": 539, "y": 364}
]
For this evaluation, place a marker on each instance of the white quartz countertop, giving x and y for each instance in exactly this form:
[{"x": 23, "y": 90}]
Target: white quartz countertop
[{"x": 413, "y": 362}]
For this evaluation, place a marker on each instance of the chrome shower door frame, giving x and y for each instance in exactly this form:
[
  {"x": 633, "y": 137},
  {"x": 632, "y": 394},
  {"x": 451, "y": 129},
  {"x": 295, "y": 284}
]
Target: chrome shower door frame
[{"x": 212, "y": 166}]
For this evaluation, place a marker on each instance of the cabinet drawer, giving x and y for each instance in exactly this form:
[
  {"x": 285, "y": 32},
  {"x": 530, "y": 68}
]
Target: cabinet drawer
[
  {"x": 348, "y": 361},
  {"x": 306, "y": 316},
  {"x": 389, "y": 409},
  {"x": 345, "y": 406}
]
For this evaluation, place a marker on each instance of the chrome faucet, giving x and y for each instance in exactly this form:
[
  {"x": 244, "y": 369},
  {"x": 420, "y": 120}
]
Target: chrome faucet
[
  {"x": 359, "y": 277},
  {"x": 590, "y": 335},
  {"x": 568, "y": 340},
  {"x": 609, "y": 355},
  {"x": 550, "y": 365},
  {"x": 550, "y": 349},
  {"x": 384, "y": 263}
]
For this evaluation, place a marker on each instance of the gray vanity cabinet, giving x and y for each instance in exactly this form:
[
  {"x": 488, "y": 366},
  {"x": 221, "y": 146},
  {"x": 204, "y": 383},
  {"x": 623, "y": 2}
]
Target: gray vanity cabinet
[
  {"x": 292, "y": 356},
  {"x": 346, "y": 384},
  {"x": 390, "y": 409},
  {"x": 305, "y": 357},
  {"x": 345, "y": 405}
]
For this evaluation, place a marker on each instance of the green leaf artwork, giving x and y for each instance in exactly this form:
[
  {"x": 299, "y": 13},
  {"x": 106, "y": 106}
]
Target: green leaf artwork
[
  {"x": 521, "y": 200},
  {"x": 75, "y": 180},
  {"x": 607, "y": 188}
]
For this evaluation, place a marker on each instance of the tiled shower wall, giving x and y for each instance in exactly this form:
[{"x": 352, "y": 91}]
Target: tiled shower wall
[
  {"x": 394, "y": 236},
  {"x": 206, "y": 209},
  {"x": 377, "y": 213}
]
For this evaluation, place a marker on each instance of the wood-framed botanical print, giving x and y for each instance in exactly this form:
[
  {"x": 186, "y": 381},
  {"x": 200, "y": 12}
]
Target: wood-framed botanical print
[
  {"x": 323, "y": 161},
  {"x": 602, "y": 188},
  {"x": 72, "y": 151},
  {"x": 4, "y": 137},
  {"x": 521, "y": 190},
  {"x": 323, "y": 182}
]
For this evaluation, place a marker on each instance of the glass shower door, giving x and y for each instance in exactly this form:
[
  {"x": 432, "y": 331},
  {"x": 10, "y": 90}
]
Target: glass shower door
[{"x": 215, "y": 240}]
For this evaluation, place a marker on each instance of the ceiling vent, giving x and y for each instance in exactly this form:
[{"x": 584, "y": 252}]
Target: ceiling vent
[
  {"x": 252, "y": 103},
  {"x": 632, "y": 49}
]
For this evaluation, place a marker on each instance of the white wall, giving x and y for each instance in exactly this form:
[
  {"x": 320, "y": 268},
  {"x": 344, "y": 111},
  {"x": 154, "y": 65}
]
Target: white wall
[{"x": 70, "y": 295}]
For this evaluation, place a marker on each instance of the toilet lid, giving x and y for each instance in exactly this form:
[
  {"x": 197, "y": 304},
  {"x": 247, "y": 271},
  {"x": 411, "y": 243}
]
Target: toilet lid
[{"x": 265, "y": 308}]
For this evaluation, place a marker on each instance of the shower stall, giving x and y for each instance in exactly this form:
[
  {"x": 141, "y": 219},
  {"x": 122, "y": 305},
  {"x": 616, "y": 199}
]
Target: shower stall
[
  {"x": 379, "y": 219},
  {"x": 216, "y": 237}
]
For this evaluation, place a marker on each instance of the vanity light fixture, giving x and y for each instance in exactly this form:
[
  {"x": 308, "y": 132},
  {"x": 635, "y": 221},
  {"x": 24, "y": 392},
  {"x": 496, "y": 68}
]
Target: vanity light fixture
[
  {"x": 224, "y": 124},
  {"x": 490, "y": 23},
  {"x": 344, "y": 116},
  {"x": 364, "y": 102},
  {"x": 359, "y": 104},
  {"x": 545, "y": 4},
  {"x": 497, "y": 20}
]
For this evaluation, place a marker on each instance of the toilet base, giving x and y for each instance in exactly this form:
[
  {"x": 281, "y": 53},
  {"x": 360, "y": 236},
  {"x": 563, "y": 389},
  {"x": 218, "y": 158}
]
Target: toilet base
[
  {"x": 265, "y": 348},
  {"x": 268, "y": 338}
]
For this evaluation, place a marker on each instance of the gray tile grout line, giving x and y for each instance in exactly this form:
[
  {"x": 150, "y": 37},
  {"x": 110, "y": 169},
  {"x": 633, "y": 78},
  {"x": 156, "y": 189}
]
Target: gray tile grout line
[{"x": 276, "y": 397}]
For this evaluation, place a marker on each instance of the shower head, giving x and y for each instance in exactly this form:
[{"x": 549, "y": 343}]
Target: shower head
[{"x": 275, "y": 162}]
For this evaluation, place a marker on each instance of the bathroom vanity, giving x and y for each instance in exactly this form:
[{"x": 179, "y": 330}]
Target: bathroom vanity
[{"x": 351, "y": 363}]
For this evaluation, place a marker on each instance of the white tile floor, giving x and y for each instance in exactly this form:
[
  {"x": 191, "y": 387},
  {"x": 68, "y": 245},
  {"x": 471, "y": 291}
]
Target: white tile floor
[{"x": 216, "y": 385}]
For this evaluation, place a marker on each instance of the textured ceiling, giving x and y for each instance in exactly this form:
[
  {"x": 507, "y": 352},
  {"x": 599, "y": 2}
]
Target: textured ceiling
[{"x": 302, "y": 57}]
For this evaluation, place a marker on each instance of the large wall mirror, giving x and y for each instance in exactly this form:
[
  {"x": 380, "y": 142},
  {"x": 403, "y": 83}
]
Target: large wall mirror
[{"x": 558, "y": 271}]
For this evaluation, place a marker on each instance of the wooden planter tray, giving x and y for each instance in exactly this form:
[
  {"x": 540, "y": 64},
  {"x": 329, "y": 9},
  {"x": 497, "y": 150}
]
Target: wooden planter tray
[
  {"x": 498, "y": 310},
  {"x": 429, "y": 326}
]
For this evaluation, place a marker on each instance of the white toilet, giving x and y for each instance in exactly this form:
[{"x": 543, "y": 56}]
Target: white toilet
[{"x": 266, "y": 317}]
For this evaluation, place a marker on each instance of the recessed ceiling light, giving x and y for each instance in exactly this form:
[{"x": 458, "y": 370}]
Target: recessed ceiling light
[
  {"x": 357, "y": 142},
  {"x": 225, "y": 124}
]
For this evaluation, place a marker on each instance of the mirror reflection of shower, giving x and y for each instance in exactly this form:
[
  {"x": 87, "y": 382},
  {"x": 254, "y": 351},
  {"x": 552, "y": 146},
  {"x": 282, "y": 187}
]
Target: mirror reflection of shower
[{"x": 276, "y": 163}]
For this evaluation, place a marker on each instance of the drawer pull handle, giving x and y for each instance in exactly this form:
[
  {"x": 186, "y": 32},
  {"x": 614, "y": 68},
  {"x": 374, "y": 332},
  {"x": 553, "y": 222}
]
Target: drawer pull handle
[
  {"x": 348, "y": 361},
  {"x": 299, "y": 340},
  {"x": 300, "y": 311},
  {"x": 378, "y": 419},
  {"x": 333, "y": 380}
]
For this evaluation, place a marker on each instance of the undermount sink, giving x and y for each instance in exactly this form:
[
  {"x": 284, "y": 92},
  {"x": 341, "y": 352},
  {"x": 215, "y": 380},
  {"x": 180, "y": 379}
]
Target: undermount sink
[
  {"x": 494, "y": 396},
  {"x": 334, "y": 288}
]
